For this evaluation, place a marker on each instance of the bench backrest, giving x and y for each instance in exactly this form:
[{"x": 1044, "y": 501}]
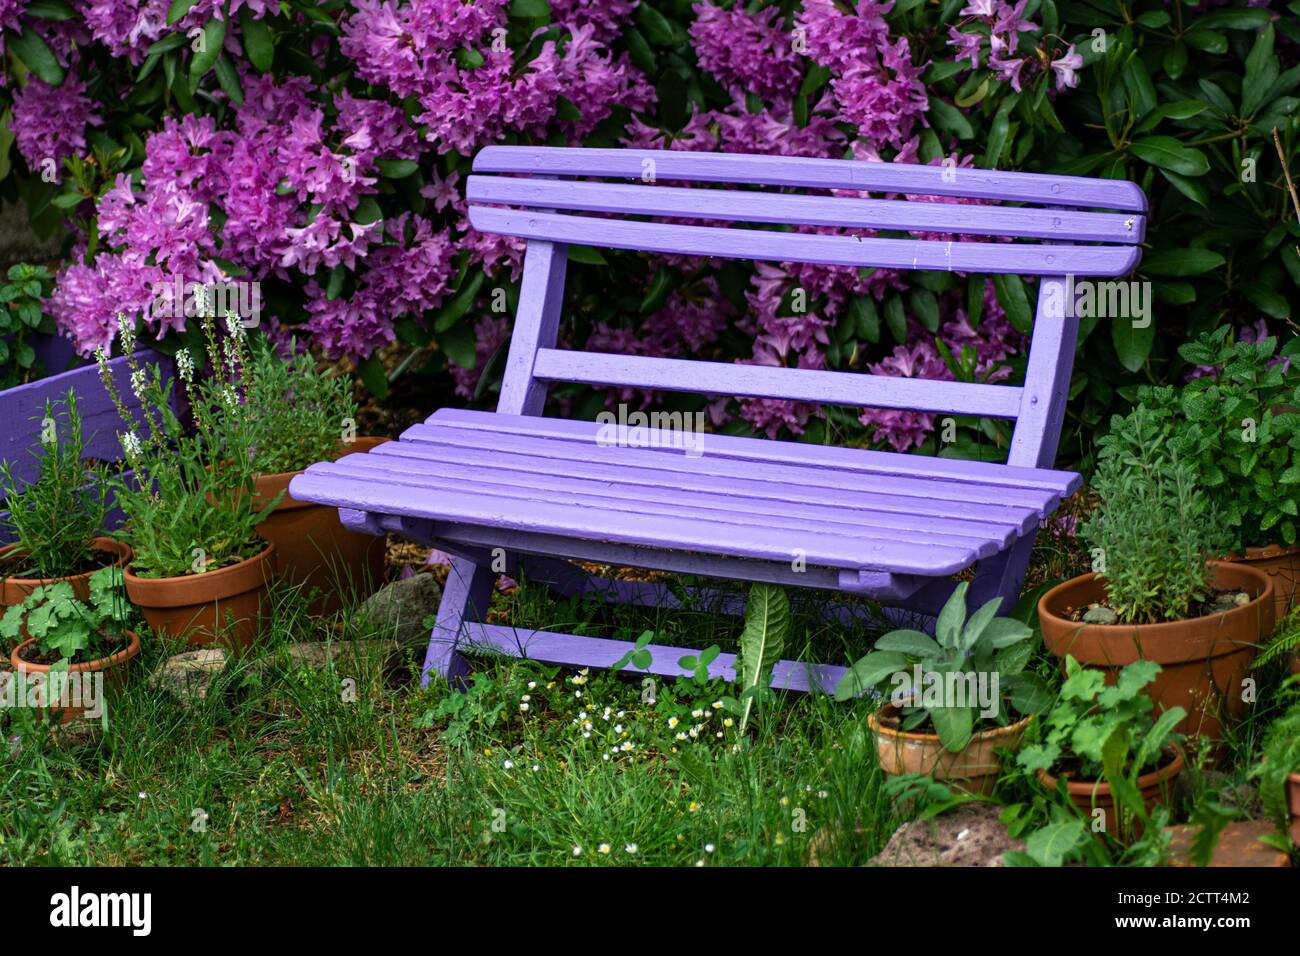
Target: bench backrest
[{"x": 1060, "y": 227}]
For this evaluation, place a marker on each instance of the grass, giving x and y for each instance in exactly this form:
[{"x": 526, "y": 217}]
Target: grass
[{"x": 531, "y": 765}]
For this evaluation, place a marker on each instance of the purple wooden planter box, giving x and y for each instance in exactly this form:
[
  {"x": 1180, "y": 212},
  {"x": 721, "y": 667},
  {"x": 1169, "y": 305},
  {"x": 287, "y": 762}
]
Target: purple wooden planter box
[
  {"x": 23, "y": 408},
  {"x": 886, "y": 526}
]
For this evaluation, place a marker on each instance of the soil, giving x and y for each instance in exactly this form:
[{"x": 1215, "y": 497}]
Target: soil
[
  {"x": 32, "y": 655},
  {"x": 1219, "y": 602},
  {"x": 19, "y": 565}
]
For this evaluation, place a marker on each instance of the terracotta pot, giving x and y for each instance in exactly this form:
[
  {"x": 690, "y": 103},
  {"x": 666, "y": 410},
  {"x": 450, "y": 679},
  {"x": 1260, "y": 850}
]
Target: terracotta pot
[
  {"x": 226, "y": 604},
  {"x": 975, "y": 769},
  {"x": 1282, "y": 564},
  {"x": 1204, "y": 660},
  {"x": 1155, "y": 787},
  {"x": 315, "y": 550},
  {"x": 116, "y": 668},
  {"x": 15, "y": 590},
  {"x": 1293, "y": 801}
]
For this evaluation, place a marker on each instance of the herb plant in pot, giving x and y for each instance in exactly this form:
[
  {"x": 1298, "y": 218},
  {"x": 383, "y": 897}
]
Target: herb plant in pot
[
  {"x": 1102, "y": 743},
  {"x": 1278, "y": 773},
  {"x": 199, "y": 570},
  {"x": 69, "y": 650},
  {"x": 1155, "y": 596},
  {"x": 949, "y": 699},
  {"x": 56, "y": 521},
  {"x": 302, "y": 415},
  {"x": 1238, "y": 425}
]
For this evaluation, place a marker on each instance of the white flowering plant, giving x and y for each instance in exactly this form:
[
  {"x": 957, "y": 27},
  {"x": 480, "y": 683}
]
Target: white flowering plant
[{"x": 189, "y": 499}]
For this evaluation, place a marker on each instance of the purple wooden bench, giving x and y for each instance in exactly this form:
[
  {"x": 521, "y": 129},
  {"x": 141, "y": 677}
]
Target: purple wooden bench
[{"x": 891, "y": 527}]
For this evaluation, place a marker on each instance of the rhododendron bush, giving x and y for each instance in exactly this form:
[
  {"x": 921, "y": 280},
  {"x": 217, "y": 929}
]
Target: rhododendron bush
[{"x": 321, "y": 150}]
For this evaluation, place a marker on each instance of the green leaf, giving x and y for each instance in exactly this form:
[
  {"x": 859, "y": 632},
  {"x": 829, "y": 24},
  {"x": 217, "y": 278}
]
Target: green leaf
[
  {"x": 469, "y": 59},
  {"x": 36, "y": 54},
  {"x": 50, "y": 10},
  {"x": 1168, "y": 153},
  {"x": 869, "y": 671},
  {"x": 1050, "y": 845},
  {"x": 373, "y": 377},
  {"x": 1206, "y": 40},
  {"x": 954, "y": 725},
  {"x": 655, "y": 25},
  {"x": 458, "y": 344},
  {"x": 367, "y": 211},
  {"x": 229, "y": 81},
  {"x": 458, "y": 306},
  {"x": 660, "y": 287},
  {"x": 1132, "y": 344},
  {"x": 1181, "y": 262},
  {"x": 1011, "y": 295},
  {"x": 587, "y": 255},
  {"x": 530, "y": 9},
  {"x": 259, "y": 44},
  {"x": 948, "y": 627},
  {"x": 767, "y": 623},
  {"x": 946, "y": 116},
  {"x": 905, "y": 641},
  {"x": 176, "y": 12},
  {"x": 1261, "y": 72},
  {"x": 396, "y": 168},
  {"x": 1177, "y": 110},
  {"x": 214, "y": 35},
  {"x": 1191, "y": 188}
]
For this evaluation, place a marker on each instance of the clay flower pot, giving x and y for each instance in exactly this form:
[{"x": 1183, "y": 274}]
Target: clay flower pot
[
  {"x": 975, "y": 769},
  {"x": 1155, "y": 787},
  {"x": 226, "y": 604},
  {"x": 314, "y": 549},
  {"x": 1282, "y": 564},
  {"x": 1203, "y": 660},
  {"x": 15, "y": 590},
  {"x": 116, "y": 668},
  {"x": 1293, "y": 801}
]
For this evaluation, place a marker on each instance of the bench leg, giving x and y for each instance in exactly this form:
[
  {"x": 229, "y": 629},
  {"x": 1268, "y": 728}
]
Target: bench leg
[
  {"x": 1001, "y": 576},
  {"x": 464, "y": 599}
]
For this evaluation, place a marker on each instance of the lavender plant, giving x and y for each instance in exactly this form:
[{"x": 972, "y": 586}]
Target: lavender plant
[
  {"x": 1155, "y": 528},
  {"x": 190, "y": 504},
  {"x": 54, "y": 518}
]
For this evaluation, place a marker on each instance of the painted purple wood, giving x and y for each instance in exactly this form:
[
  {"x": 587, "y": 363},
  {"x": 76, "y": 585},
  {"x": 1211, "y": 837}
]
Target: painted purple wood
[
  {"x": 762, "y": 381},
  {"x": 873, "y": 523},
  {"x": 785, "y": 208},
  {"x": 576, "y": 650},
  {"x": 1062, "y": 483},
  {"x": 813, "y": 173},
  {"x": 756, "y": 244},
  {"x": 24, "y": 409}
]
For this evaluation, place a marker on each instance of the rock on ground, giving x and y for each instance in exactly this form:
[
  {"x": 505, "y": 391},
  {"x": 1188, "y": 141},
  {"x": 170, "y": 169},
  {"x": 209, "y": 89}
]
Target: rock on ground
[
  {"x": 188, "y": 676},
  {"x": 970, "y": 835},
  {"x": 401, "y": 607}
]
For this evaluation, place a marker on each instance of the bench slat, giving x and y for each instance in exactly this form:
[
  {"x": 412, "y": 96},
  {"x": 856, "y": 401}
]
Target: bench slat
[
  {"x": 1061, "y": 483},
  {"x": 814, "y": 173},
  {"x": 666, "y": 531},
  {"x": 762, "y": 381},
  {"x": 523, "y": 476},
  {"x": 796, "y": 522},
  {"x": 784, "y": 208},
  {"x": 982, "y": 257},
  {"x": 793, "y": 483}
]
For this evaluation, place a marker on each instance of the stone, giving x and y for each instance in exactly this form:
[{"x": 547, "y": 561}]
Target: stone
[
  {"x": 399, "y": 609},
  {"x": 320, "y": 654},
  {"x": 1100, "y": 614},
  {"x": 970, "y": 835},
  {"x": 1239, "y": 845},
  {"x": 188, "y": 676}
]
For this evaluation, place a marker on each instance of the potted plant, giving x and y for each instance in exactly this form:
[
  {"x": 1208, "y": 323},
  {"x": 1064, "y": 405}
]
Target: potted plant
[
  {"x": 199, "y": 570},
  {"x": 949, "y": 698},
  {"x": 1238, "y": 425},
  {"x": 300, "y": 415},
  {"x": 56, "y": 521},
  {"x": 1154, "y": 596},
  {"x": 65, "y": 643},
  {"x": 1278, "y": 773},
  {"x": 1103, "y": 745}
]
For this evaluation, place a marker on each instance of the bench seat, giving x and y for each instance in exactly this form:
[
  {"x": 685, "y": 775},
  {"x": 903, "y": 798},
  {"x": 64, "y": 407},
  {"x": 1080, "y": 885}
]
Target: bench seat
[{"x": 838, "y": 508}]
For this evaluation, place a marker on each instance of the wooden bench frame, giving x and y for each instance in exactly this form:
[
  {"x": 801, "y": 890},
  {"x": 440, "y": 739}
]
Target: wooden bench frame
[{"x": 555, "y": 207}]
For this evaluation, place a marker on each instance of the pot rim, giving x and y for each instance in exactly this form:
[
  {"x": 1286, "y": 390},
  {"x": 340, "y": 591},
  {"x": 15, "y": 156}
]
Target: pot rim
[
  {"x": 149, "y": 592},
  {"x": 1263, "y": 552},
  {"x": 97, "y": 543},
  {"x": 268, "y": 485},
  {"x": 1150, "y": 779},
  {"x": 1265, "y": 595},
  {"x": 116, "y": 659},
  {"x": 873, "y": 723},
  {"x": 345, "y": 448}
]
